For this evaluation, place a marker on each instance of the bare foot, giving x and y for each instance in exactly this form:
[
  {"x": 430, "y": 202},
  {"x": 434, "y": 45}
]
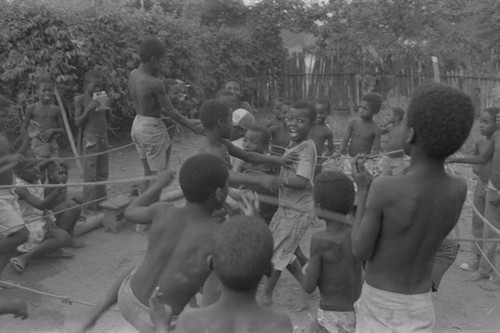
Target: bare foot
[
  {"x": 76, "y": 244},
  {"x": 477, "y": 276}
]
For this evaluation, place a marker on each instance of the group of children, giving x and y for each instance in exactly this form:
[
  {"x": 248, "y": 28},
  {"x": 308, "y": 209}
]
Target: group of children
[{"x": 393, "y": 235}]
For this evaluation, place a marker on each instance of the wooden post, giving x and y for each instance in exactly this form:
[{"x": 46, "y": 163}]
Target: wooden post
[
  {"x": 68, "y": 131},
  {"x": 435, "y": 69}
]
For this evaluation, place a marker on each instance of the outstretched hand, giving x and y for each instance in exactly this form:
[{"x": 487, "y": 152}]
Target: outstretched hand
[
  {"x": 160, "y": 314},
  {"x": 360, "y": 175},
  {"x": 250, "y": 203},
  {"x": 165, "y": 177}
]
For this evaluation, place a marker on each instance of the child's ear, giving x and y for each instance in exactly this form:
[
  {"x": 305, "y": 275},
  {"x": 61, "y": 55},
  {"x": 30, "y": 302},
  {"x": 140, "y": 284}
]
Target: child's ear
[{"x": 210, "y": 262}]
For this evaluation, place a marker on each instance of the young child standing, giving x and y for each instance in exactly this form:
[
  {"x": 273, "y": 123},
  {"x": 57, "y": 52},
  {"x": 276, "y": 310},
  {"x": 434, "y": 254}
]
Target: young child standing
[
  {"x": 332, "y": 266},
  {"x": 93, "y": 119},
  {"x": 393, "y": 163},
  {"x": 151, "y": 101},
  {"x": 320, "y": 133},
  {"x": 177, "y": 236},
  {"x": 43, "y": 122},
  {"x": 13, "y": 232},
  {"x": 401, "y": 221},
  {"x": 280, "y": 139},
  {"x": 241, "y": 256},
  {"x": 362, "y": 135},
  {"x": 296, "y": 205}
]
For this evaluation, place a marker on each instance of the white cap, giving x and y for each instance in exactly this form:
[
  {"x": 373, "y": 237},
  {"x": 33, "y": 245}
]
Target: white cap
[{"x": 243, "y": 119}]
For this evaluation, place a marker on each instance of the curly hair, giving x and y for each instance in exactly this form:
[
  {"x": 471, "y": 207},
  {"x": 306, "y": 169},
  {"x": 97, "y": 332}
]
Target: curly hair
[
  {"x": 211, "y": 111},
  {"x": 201, "y": 175},
  {"x": 308, "y": 106},
  {"x": 242, "y": 250},
  {"x": 334, "y": 191},
  {"x": 374, "y": 101},
  {"x": 151, "y": 47},
  {"x": 441, "y": 117}
]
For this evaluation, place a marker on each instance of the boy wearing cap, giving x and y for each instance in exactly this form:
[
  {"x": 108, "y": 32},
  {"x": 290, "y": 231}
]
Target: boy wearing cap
[{"x": 242, "y": 122}]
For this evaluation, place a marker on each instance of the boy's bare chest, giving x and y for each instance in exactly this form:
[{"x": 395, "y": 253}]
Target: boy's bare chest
[
  {"x": 45, "y": 114},
  {"x": 364, "y": 131}
]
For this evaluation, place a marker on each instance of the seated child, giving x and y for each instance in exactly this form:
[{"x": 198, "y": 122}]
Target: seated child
[
  {"x": 296, "y": 204},
  {"x": 13, "y": 232},
  {"x": 401, "y": 221},
  {"x": 177, "y": 236},
  {"x": 362, "y": 135},
  {"x": 46, "y": 233},
  {"x": 241, "y": 255},
  {"x": 257, "y": 140},
  {"x": 280, "y": 139},
  {"x": 392, "y": 164},
  {"x": 332, "y": 267},
  {"x": 43, "y": 122}
]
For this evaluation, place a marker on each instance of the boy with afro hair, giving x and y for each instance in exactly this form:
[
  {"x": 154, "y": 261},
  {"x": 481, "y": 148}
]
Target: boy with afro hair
[
  {"x": 401, "y": 221},
  {"x": 241, "y": 256},
  {"x": 332, "y": 266}
]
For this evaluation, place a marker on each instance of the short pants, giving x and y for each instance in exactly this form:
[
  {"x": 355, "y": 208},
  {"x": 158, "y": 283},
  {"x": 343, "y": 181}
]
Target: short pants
[
  {"x": 151, "y": 141},
  {"x": 11, "y": 219},
  {"x": 336, "y": 321}
]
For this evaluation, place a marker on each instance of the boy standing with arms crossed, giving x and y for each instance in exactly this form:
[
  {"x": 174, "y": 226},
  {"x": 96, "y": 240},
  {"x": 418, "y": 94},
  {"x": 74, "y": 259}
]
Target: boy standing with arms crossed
[
  {"x": 332, "y": 266},
  {"x": 93, "y": 118},
  {"x": 401, "y": 221},
  {"x": 151, "y": 101},
  {"x": 296, "y": 205}
]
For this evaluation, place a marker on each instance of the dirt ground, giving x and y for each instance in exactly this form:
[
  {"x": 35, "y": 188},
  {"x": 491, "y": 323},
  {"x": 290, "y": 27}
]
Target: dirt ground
[{"x": 460, "y": 305}]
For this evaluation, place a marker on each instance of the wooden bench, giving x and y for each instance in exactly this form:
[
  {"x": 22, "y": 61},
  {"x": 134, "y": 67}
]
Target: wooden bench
[{"x": 114, "y": 212}]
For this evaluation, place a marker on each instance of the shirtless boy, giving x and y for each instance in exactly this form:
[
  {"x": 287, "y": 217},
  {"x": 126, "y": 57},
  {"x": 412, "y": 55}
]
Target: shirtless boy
[
  {"x": 280, "y": 138},
  {"x": 93, "y": 119},
  {"x": 393, "y": 162},
  {"x": 320, "y": 133},
  {"x": 43, "y": 122},
  {"x": 179, "y": 244},
  {"x": 150, "y": 99},
  {"x": 13, "y": 232},
  {"x": 332, "y": 267},
  {"x": 401, "y": 221},
  {"x": 241, "y": 256},
  {"x": 276, "y": 120}
]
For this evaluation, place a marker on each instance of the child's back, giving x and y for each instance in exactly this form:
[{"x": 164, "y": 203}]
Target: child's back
[{"x": 408, "y": 217}]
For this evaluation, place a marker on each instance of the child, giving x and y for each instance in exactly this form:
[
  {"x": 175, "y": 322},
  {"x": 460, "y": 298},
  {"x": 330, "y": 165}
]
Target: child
[
  {"x": 296, "y": 206},
  {"x": 46, "y": 236},
  {"x": 402, "y": 221},
  {"x": 43, "y": 122},
  {"x": 257, "y": 140},
  {"x": 490, "y": 154},
  {"x": 393, "y": 162},
  {"x": 93, "y": 119},
  {"x": 241, "y": 256},
  {"x": 242, "y": 121},
  {"x": 150, "y": 99},
  {"x": 487, "y": 127},
  {"x": 13, "y": 232},
  {"x": 332, "y": 267},
  {"x": 362, "y": 135},
  {"x": 235, "y": 87},
  {"x": 216, "y": 118},
  {"x": 276, "y": 120},
  {"x": 320, "y": 133},
  {"x": 280, "y": 138},
  {"x": 178, "y": 236}
]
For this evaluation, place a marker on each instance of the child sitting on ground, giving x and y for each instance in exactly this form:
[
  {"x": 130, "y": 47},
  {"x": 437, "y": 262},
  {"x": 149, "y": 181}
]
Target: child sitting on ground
[
  {"x": 332, "y": 267},
  {"x": 362, "y": 135},
  {"x": 392, "y": 164},
  {"x": 280, "y": 139},
  {"x": 257, "y": 140},
  {"x": 48, "y": 234},
  {"x": 43, "y": 122},
  {"x": 296, "y": 205},
  {"x": 177, "y": 236},
  {"x": 13, "y": 232},
  {"x": 402, "y": 221},
  {"x": 93, "y": 118},
  {"x": 241, "y": 256}
]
